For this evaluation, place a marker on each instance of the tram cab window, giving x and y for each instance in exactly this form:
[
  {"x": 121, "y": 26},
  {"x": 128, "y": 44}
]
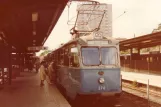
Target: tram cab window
[
  {"x": 94, "y": 56},
  {"x": 109, "y": 56},
  {"x": 90, "y": 56},
  {"x": 74, "y": 58}
]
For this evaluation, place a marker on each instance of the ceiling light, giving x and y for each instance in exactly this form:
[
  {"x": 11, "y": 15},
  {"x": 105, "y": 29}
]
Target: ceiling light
[
  {"x": 13, "y": 47},
  {"x": 127, "y": 45},
  {"x": 146, "y": 41},
  {"x": 34, "y": 41},
  {"x": 34, "y": 16},
  {"x": 34, "y": 32}
]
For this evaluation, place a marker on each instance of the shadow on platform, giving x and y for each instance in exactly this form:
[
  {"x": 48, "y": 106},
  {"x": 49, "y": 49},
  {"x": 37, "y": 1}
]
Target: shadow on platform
[{"x": 25, "y": 91}]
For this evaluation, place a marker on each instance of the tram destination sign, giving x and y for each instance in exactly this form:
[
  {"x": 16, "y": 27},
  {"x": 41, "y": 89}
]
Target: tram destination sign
[
  {"x": 97, "y": 42},
  {"x": 37, "y": 48}
]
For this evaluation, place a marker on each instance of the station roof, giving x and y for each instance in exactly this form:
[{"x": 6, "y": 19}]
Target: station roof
[
  {"x": 25, "y": 23},
  {"x": 144, "y": 41}
]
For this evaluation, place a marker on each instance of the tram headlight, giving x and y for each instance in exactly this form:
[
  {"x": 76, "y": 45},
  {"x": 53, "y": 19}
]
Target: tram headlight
[{"x": 101, "y": 80}]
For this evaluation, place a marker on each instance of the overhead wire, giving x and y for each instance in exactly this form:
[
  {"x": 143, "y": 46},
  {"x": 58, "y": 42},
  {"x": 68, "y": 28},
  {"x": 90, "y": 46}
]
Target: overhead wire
[
  {"x": 78, "y": 9},
  {"x": 83, "y": 12}
]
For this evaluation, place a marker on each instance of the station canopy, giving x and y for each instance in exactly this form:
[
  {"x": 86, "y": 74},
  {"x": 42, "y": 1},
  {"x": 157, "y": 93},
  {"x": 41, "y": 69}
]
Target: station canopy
[
  {"x": 28, "y": 23},
  {"x": 144, "y": 41}
]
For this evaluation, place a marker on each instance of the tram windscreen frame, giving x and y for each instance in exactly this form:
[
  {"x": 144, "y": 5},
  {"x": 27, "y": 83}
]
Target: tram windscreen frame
[{"x": 95, "y": 56}]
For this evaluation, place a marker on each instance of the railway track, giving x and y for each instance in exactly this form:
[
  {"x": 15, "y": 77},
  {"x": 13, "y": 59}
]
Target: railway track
[
  {"x": 126, "y": 100},
  {"x": 141, "y": 89},
  {"x": 153, "y": 96}
]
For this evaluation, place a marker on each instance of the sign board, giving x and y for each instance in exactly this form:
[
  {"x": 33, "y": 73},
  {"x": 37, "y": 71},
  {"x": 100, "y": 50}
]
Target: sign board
[
  {"x": 97, "y": 42},
  {"x": 98, "y": 35},
  {"x": 37, "y": 48},
  {"x": 74, "y": 50}
]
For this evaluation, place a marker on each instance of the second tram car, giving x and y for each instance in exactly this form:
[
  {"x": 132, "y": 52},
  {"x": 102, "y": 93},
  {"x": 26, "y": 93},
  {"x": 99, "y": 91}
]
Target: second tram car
[{"x": 88, "y": 66}]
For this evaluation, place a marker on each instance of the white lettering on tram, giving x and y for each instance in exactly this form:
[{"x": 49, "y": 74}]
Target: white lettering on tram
[{"x": 101, "y": 87}]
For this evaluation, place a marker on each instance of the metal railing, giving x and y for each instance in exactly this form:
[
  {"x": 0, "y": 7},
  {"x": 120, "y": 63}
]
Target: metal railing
[{"x": 141, "y": 66}]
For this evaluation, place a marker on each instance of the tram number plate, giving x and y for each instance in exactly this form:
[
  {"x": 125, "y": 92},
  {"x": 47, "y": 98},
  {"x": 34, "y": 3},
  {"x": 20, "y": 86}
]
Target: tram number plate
[{"x": 101, "y": 87}]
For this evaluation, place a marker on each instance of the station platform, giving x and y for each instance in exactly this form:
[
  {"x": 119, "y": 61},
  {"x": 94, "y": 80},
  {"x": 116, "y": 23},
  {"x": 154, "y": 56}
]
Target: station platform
[
  {"x": 154, "y": 80},
  {"x": 25, "y": 91}
]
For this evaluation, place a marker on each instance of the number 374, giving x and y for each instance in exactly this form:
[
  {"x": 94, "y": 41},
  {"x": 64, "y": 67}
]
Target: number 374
[{"x": 101, "y": 87}]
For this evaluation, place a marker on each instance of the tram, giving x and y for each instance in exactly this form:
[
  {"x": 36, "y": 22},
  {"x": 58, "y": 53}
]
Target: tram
[{"x": 88, "y": 65}]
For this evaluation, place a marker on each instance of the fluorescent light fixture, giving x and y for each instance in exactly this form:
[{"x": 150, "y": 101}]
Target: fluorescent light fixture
[
  {"x": 146, "y": 41},
  {"x": 2, "y": 34},
  {"x": 127, "y": 45},
  {"x": 13, "y": 47},
  {"x": 34, "y": 16},
  {"x": 34, "y": 32},
  {"x": 34, "y": 41}
]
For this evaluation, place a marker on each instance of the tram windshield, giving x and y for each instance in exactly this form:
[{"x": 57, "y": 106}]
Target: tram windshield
[
  {"x": 93, "y": 56},
  {"x": 108, "y": 56},
  {"x": 90, "y": 56}
]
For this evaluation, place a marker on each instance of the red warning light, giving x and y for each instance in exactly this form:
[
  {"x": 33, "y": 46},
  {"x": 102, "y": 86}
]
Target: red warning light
[{"x": 100, "y": 72}]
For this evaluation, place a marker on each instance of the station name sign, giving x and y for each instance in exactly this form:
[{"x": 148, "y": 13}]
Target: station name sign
[{"x": 37, "y": 48}]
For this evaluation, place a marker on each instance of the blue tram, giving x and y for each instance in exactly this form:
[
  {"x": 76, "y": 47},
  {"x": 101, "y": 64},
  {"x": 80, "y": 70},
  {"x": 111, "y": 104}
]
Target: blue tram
[{"x": 88, "y": 66}]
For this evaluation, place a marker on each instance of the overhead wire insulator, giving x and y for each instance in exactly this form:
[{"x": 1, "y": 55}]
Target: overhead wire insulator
[{"x": 68, "y": 4}]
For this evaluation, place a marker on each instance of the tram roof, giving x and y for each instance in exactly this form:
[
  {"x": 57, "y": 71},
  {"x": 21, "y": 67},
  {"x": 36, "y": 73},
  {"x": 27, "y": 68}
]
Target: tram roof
[
  {"x": 27, "y": 23},
  {"x": 144, "y": 41},
  {"x": 84, "y": 41}
]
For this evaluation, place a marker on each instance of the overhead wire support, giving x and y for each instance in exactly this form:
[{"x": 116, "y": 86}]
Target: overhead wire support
[
  {"x": 69, "y": 3},
  {"x": 89, "y": 11}
]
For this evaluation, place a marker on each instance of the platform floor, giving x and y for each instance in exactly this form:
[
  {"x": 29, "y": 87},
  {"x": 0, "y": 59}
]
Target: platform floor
[
  {"x": 25, "y": 91},
  {"x": 154, "y": 80}
]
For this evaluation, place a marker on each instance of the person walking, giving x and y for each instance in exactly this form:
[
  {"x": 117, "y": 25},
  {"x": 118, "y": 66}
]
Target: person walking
[{"x": 42, "y": 73}]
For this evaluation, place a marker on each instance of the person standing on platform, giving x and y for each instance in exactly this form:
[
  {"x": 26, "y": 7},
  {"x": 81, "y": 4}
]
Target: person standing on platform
[
  {"x": 50, "y": 69},
  {"x": 42, "y": 73},
  {"x": 54, "y": 71}
]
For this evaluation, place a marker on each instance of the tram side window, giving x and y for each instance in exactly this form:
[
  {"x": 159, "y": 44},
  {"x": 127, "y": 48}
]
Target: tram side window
[
  {"x": 56, "y": 58},
  {"x": 62, "y": 57},
  {"x": 66, "y": 57},
  {"x": 74, "y": 58},
  {"x": 53, "y": 57}
]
